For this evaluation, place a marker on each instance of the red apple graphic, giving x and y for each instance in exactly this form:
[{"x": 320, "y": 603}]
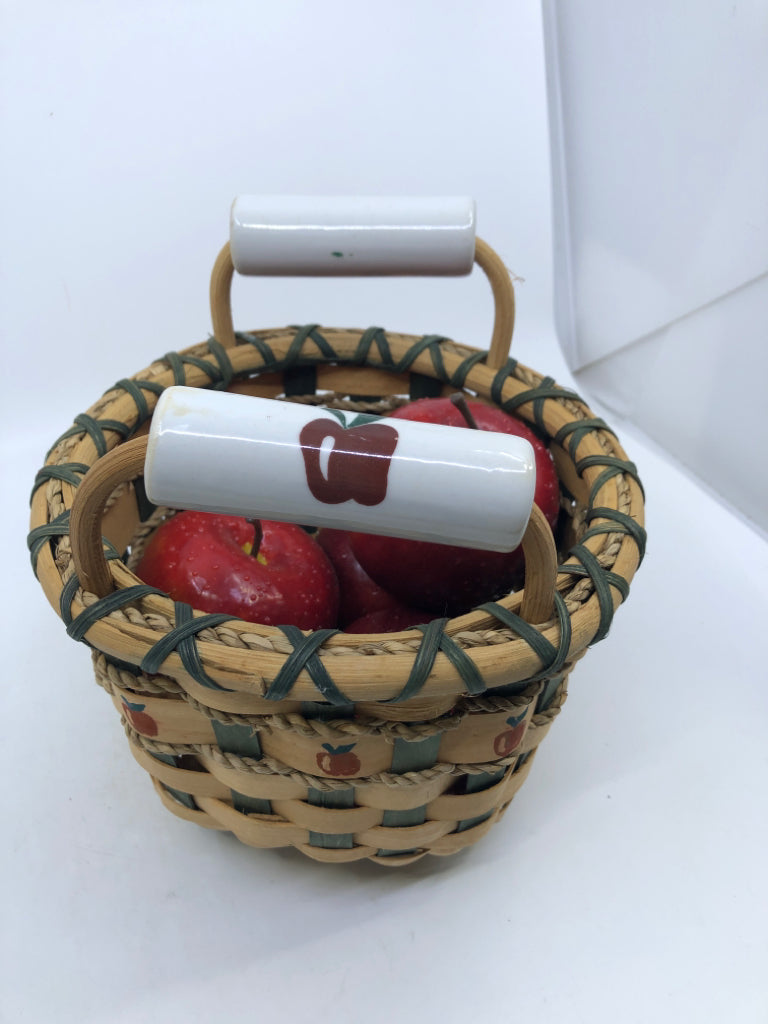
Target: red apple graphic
[
  {"x": 511, "y": 738},
  {"x": 139, "y": 719},
  {"x": 267, "y": 572},
  {"x": 358, "y": 464},
  {"x": 338, "y": 760}
]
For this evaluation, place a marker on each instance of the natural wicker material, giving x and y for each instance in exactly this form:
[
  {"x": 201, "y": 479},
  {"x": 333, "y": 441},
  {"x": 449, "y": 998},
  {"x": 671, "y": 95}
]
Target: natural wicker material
[{"x": 344, "y": 746}]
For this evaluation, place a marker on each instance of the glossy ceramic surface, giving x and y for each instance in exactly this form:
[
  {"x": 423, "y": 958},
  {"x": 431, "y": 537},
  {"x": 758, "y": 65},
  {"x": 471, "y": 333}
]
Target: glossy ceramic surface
[
  {"x": 259, "y": 458},
  {"x": 352, "y": 235}
]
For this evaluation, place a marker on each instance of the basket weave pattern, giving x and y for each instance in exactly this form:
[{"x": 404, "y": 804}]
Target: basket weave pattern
[{"x": 344, "y": 747}]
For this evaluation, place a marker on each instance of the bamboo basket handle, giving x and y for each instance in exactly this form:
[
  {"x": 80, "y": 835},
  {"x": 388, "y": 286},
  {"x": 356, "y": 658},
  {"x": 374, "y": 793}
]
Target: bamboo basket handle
[
  {"x": 486, "y": 258},
  {"x": 126, "y": 462}
]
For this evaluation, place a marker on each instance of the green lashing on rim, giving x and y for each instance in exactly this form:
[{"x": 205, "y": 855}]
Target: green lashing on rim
[{"x": 310, "y": 348}]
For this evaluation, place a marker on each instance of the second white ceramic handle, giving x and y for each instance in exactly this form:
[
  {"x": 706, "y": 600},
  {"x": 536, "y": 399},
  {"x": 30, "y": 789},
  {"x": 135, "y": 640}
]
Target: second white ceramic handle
[
  {"x": 259, "y": 458},
  {"x": 352, "y": 235}
]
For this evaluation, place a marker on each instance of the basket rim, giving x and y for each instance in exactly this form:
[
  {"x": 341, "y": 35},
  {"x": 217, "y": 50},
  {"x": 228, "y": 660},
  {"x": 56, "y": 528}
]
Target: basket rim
[{"x": 248, "y": 658}]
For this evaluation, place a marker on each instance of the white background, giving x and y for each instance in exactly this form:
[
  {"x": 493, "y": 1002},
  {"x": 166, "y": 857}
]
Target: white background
[
  {"x": 659, "y": 130},
  {"x": 627, "y": 881}
]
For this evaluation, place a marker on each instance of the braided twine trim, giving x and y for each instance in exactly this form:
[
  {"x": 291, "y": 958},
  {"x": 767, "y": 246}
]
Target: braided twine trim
[
  {"x": 115, "y": 680},
  {"x": 267, "y": 765},
  {"x": 606, "y": 523}
]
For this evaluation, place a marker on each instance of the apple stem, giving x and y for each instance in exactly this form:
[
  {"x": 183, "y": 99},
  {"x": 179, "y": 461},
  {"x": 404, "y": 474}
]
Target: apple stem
[
  {"x": 258, "y": 535},
  {"x": 461, "y": 404}
]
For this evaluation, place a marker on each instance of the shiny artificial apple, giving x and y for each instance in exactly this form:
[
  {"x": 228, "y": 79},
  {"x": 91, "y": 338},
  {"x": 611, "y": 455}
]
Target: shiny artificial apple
[
  {"x": 268, "y": 572},
  {"x": 358, "y": 594},
  {"x": 389, "y": 620},
  {"x": 444, "y": 579}
]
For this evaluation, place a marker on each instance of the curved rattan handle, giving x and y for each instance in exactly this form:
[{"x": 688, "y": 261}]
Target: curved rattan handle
[
  {"x": 486, "y": 258},
  {"x": 126, "y": 462}
]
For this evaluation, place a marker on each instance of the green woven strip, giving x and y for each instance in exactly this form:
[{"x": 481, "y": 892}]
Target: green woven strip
[
  {"x": 239, "y": 739},
  {"x": 625, "y": 524},
  {"x": 410, "y": 756},
  {"x": 223, "y": 362},
  {"x": 94, "y": 431},
  {"x": 144, "y": 506},
  {"x": 113, "y": 602},
  {"x": 211, "y": 370},
  {"x": 566, "y": 633},
  {"x": 614, "y": 467},
  {"x": 538, "y": 395},
  {"x": 66, "y": 597},
  {"x": 250, "y": 804},
  {"x": 460, "y": 374},
  {"x": 552, "y": 658},
  {"x": 318, "y": 711},
  {"x": 337, "y": 799},
  {"x": 502, "y": 375},
  {"x": 42, "y": 535},
  {"x": 242, "y": 740},
  {"x": 602, "y": 588},
  {"x": 461, "y": 661},
  {"x": 577, "y": 430},
  {"x": 415, "y": 755},
  {"x": 133, "y": 388},
  {"x": 176, "y": 364},
  {"x": 610, "y": 577},
  {"x": 68, "y": 472},
  {"x": 476, "y": 783},
  {"x": 295, "y": 350},
  {"x": 546, "y": 652},
  {"x": 538, "y": 403},
  {"x": 184, "y": 798},
  {"x": 95, "y": 427},
  {"x": 185, "y": 629},
  {"x": 300, "y": 380},
  {"x": 429, "y": 341},
  {"x": 304, "y": 655},
  {"x": 548, "y": 692},
  {"x": 187, "y": 647},
  {"x": 422, "y": 386},
  {"x": 119, "y": 427},
  {"x": 423, "y": 662},
  {"x": 436, "y": 355},
  {"x": 367, "y": 338},
  {"x": 266, "y": 353}
]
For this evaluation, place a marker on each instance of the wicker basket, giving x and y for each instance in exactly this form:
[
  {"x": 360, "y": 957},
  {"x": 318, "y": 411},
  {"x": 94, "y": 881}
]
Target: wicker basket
[{"x": 344, "y": 746}]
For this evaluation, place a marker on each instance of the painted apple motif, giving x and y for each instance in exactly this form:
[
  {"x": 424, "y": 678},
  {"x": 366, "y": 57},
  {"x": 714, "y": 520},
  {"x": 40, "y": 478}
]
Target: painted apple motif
[
  {"x": 358, "y": 461},
  {"x": 338, "y": 760},
  {"x": 511, "y": 738},
  {"x": 139, "y": 719}
]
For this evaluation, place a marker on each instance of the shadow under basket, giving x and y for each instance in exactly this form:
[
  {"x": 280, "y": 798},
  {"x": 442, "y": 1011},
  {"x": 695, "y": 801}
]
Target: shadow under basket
[{"x": 385, "y": 747}]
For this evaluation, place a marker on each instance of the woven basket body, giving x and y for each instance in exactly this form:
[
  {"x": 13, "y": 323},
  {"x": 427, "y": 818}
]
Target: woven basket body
[{"x": 385, "y": 747}]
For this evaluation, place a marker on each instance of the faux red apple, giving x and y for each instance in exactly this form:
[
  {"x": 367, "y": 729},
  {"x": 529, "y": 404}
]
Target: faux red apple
[
  {"x": 359, "y": 595},
  {"x": 389, "y": 620},
  {"x": 219, "y": 563},
  {"x": 444, "y": 579},
  {"x": 490, "y": 417}
]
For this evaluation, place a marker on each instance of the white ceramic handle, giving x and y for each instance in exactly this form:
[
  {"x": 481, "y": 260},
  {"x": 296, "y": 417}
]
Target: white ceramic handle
[
  {"x": 352, "y": 235},
  {"x": 254, "y": 457}
]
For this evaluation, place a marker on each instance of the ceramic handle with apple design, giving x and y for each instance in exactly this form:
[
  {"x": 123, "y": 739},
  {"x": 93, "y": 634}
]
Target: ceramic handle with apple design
[
  {"x": 260, "y": 458},
  {"x": 359, "y": 236}
]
